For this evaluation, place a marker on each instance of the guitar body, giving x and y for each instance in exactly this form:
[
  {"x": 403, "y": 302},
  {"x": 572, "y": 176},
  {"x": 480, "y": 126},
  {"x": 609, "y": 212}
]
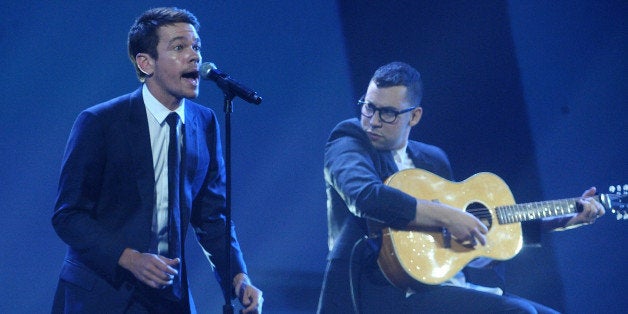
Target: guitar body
[{"x": 429, "y": 255}]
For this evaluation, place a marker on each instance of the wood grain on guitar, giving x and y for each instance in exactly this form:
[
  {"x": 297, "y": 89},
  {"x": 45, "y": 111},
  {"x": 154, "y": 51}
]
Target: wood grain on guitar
[{"x": 430, "y": 256}]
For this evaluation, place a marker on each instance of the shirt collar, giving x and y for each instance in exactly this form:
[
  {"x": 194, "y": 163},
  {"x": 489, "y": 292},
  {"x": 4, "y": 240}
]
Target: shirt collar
[
  {"x": 401, "y": 153},
  {"x": 158, "y": 110}
]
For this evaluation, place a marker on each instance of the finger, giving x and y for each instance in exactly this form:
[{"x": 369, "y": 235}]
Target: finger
[
  {"x": 252, "y": 307},
  {"x": 160, "y": 273},
  {"x": 479, "y": 225},
  {"x": 246, "y": 298},
  {"x": 161, "y": 281},
  {"x": 596, "y": 210},
  {"x": 172, "y": 262},
  {"x": 148, "y": 269},
  {"x": 472, "y": 239},
  {"x": 483, "y": 229},
  {"x": 590, "y": 207},
  {"x": 249, "y": 307},
  {"x": 590, "y": 192},
  {"x": 480, "y": 237},
  {"x": 170, "y": 271},
  {"x": 252, "y": 300},
  {"x": 166, "y": 266}
]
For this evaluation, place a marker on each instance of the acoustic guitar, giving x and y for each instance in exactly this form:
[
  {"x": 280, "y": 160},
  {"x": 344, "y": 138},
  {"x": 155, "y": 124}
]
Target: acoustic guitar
[{"x": 432, "y": 256}]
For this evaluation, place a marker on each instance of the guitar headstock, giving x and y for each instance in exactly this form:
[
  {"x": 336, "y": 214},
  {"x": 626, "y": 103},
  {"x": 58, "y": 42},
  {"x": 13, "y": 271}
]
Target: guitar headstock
[{"x": 616, "y": 201}]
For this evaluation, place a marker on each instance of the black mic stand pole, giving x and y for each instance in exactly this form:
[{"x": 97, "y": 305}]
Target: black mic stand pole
[
  {"x": 228, "y": 107},
  {"x": 226, "y": 86}
]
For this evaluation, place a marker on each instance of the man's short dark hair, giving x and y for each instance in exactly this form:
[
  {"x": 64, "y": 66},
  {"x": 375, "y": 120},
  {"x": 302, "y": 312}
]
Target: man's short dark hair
[
  {"x": 143, "y": 37},
  {"x": 400, "y": 74}
]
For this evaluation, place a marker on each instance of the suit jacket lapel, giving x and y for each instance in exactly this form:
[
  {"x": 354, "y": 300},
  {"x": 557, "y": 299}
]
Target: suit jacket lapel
[
  {"x": 388, "y": 165},
  {"x": 139, "y": 144},
  {"x": 190, "y": 162},
  {"x": 417, "y": 158}
]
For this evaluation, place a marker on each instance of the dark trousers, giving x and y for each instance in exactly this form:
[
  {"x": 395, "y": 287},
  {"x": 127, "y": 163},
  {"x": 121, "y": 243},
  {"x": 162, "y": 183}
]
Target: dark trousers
[
  {"x": 103, "y": 298},
  {"x": 374, "y": 294}
]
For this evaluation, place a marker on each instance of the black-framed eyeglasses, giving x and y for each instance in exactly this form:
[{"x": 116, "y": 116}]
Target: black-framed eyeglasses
[{"x": 385, "y": 114}]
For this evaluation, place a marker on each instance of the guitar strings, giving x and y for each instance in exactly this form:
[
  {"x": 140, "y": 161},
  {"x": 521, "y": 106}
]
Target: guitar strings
[
  {"x": 483, "y": 212},
  {"x": 480, "y": 212}
]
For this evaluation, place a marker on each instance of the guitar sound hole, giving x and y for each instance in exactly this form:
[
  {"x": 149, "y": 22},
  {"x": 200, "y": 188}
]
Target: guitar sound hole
[{"x": 482, "y": 213}]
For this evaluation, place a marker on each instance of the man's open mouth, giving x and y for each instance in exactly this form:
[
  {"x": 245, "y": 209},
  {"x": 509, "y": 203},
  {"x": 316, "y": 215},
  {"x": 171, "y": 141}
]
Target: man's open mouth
[{"x": 192, "y": 77}]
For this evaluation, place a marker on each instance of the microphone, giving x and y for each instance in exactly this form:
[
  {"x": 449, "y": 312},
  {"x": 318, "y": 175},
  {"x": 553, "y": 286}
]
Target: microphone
[{"x": 209, "y": 71}]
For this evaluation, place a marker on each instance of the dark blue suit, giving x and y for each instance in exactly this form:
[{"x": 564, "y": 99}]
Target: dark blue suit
[
  {"x": 354, "y": 175},
  {"x": 106, "y": 197},
  {"x": 356, "y": 197}
]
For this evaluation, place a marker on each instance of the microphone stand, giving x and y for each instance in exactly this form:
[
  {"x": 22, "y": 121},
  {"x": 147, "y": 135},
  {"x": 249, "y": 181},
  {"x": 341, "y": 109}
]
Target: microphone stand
[
  {"x": 226, "y": 87},
  {"x": 228, "y": 108}
]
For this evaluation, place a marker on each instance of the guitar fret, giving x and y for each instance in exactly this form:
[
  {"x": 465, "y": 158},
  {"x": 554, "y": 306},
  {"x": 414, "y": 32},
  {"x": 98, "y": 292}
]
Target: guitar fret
[
  {"x": 503, "y": 216},
  {"x": 530, "y": 211}
]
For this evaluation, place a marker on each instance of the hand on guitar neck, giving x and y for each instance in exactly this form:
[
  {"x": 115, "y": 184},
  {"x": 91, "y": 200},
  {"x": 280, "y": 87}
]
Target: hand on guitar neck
[
  {"x": 590, "y": 209},
  {"x": 468, "y": 229}
]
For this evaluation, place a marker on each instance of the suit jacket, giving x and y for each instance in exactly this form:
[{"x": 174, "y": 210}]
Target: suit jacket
[
  {"x": 354, "y": 175},
  {"x": 358, "y": 199},
  {"x": 107, "y": 193}
]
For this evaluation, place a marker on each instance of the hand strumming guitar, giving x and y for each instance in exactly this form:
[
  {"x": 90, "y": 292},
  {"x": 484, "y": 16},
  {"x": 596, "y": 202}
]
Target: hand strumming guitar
[{"x": 462, "y": 225}]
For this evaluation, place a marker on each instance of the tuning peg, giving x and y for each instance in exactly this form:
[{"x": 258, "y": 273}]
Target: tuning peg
[{"x": 618, "y": 189}]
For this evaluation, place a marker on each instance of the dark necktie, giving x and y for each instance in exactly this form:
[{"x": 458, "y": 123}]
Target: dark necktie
[{"x": 174, "y": 209}]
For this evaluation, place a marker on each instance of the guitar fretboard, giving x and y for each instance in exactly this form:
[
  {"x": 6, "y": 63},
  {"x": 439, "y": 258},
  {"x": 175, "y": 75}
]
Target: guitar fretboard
[{"x": 536, "y": 210}]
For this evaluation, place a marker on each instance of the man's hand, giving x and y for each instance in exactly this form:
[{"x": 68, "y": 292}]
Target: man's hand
[
  {"x": 466, "y": 228},
  {"x": 591, "y": 209},
  {"x": 153, "y": 270},
  {"x": 250, "y": 297},
  {"x": 463, "y": 226}
]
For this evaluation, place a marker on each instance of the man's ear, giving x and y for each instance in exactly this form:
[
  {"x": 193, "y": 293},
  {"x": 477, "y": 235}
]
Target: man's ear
[
  {"x": 145, "y": 63},
  {"x": 416, "y": 116}
]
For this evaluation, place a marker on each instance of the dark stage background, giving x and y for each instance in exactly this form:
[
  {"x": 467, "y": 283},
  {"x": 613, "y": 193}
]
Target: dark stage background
[{"x": 534, "y": 91}]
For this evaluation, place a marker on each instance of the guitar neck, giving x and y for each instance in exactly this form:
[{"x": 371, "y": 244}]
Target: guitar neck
[{"x": 537, "y": 210}]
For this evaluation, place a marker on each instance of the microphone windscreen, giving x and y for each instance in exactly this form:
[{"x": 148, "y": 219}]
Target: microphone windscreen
[{"x": 206, "y": 70}]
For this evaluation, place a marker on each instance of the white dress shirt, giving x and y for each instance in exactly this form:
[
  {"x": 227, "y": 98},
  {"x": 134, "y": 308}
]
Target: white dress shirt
[{"x": 159, "y": 140}]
